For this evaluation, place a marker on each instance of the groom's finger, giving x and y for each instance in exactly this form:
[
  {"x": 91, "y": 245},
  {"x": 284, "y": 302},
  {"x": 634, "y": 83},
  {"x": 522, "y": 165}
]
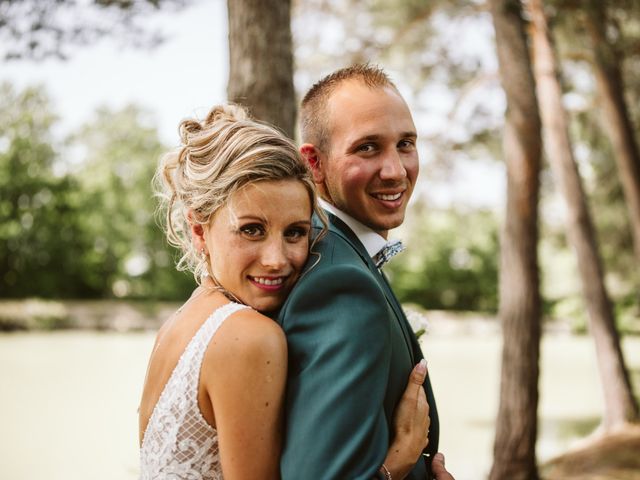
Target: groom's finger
[{"x": 438, "y": 468}]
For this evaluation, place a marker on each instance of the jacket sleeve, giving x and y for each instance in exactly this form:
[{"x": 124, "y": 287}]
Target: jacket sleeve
[{"x": 337, "y": 328}]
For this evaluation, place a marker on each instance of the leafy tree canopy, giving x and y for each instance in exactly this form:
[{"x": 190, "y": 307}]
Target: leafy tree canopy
[
  {"x": 90, "y": 232},
  {"x": 38, "y": 29}
]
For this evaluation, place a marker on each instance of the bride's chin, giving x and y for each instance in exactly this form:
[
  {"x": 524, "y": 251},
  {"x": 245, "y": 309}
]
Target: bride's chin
[{"x": 267, "y": 306}]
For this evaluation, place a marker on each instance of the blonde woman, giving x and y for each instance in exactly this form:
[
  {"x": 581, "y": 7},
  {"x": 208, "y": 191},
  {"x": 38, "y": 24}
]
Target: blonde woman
[{"x": 239, "y": 204}]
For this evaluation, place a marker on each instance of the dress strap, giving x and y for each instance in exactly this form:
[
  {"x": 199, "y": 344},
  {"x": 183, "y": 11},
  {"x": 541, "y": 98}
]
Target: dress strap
[{"x": 200, "y": 341}]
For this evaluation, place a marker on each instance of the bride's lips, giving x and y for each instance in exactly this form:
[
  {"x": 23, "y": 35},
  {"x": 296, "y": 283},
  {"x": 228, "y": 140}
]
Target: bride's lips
[{"x": 267, "y": 282}]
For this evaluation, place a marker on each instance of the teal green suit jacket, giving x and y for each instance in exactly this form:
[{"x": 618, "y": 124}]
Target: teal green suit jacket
[{"x": 351, "y": 351}]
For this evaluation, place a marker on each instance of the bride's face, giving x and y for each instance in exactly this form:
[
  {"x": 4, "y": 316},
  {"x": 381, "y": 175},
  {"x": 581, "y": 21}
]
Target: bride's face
[{"x": 259, "y": 241}]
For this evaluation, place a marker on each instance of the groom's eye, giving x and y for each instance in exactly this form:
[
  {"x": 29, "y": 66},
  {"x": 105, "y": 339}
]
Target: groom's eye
[
  {"x": 407, "y": 144},
  {"x": 366, "y": 148}
]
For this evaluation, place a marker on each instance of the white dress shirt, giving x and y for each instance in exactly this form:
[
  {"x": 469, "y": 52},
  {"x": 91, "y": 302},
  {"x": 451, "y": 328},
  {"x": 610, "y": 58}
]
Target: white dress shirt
[{"x": 373, "y": 242}]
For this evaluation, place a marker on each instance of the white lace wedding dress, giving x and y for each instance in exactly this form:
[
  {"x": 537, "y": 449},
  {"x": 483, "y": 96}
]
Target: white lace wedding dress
[{"x": 178, "y": 443}]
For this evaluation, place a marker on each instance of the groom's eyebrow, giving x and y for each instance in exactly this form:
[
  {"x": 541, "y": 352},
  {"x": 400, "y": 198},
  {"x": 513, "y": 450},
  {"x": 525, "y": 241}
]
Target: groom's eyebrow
[
  {"x": 365, "y": 138},
  {"x": 374, "y": 137}
]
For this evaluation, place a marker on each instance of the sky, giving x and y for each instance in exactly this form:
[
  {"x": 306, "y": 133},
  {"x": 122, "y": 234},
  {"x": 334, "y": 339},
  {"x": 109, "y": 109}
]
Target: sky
[
  {"x": 187, "y": 74},
  {"x": 182, "y": 77}
]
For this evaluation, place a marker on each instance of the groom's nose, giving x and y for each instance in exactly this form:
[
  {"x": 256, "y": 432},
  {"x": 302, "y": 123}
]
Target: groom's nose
[{"x": 392, "y": 167}]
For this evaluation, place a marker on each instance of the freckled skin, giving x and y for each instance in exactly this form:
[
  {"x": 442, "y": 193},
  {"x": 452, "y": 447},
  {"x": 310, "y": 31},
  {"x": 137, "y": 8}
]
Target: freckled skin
[{"x": 261, "y": 232}]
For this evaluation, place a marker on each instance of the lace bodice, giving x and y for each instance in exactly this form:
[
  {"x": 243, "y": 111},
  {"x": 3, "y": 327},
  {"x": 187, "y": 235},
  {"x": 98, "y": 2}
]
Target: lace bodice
[{"x": 178, "y": 442}]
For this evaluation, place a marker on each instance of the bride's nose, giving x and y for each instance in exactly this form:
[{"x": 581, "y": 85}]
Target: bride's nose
[{"x": 273, "y": 255}]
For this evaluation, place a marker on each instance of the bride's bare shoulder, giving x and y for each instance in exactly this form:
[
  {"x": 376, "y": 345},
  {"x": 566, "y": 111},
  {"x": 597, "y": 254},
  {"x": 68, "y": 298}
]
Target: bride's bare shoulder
[
  {"x": 247, "y": 335},
  {"x": 249, "y": 349}
]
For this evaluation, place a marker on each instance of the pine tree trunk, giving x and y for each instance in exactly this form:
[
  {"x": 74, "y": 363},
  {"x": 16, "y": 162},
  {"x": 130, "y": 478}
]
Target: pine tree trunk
[
  {"x": 519, "y": 311},
  {"x": 620, "y": 405},
  {"x": 618, "y": 126},
  {"x": 261, "y": 60}
]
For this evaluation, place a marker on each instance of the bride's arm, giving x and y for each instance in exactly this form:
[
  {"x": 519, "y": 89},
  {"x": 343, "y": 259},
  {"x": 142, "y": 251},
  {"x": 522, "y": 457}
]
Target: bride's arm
[
  {"x": 411, "y": 424},
  {"x": 248, "y": 365}
]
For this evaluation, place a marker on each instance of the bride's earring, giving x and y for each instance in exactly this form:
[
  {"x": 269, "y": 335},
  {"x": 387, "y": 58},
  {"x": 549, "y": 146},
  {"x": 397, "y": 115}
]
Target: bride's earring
[{"x": 204, "y": 258}]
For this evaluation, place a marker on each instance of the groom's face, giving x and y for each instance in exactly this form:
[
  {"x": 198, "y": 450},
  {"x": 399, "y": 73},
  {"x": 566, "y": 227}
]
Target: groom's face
[{"x": 371, "y": 165}]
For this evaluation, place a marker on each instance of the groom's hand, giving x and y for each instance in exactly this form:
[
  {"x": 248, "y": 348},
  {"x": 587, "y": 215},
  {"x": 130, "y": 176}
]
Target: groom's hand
[{"x": 438, "y": 468}]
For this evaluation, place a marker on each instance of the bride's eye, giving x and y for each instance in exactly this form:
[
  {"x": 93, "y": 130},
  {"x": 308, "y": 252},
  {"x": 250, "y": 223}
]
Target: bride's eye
[
  {"x": 252, "y": 230},
  {"x": 296, "y": 233}
]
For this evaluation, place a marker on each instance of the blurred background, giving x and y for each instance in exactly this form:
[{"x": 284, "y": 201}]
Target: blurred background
[{"x": 91, "y": 94}]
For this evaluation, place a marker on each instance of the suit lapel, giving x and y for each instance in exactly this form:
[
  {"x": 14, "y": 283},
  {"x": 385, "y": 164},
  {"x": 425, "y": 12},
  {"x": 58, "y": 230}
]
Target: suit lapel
[
  {"x": 402, "y": 318},
  {"x": 339, "y": 227}
]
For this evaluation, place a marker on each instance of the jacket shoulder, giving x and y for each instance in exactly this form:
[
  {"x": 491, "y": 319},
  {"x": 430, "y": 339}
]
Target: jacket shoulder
[
  {"x": 333, "y": 250},
  {"x": 336, "y": 277}
]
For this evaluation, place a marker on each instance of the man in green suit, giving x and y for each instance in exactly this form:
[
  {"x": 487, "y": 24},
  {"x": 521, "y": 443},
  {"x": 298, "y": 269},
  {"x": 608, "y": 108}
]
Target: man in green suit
[{"x": 351, "y": 349}]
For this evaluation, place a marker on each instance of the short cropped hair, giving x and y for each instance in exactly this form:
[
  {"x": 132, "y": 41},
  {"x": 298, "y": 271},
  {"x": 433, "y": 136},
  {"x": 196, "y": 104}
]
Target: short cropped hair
[{"x": 314, "y": 114}]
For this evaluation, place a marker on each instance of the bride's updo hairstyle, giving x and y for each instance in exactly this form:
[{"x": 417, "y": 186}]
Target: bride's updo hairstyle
[{"x": 219, "y": 156}]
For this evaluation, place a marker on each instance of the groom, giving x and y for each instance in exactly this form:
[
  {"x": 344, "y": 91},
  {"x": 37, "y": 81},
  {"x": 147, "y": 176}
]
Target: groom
[{"x": 351, "y": 349}]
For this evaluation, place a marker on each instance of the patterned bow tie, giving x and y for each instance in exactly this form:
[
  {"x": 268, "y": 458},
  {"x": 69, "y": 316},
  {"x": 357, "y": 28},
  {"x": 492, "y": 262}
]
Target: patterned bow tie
[{"x": 389, "y": 251}]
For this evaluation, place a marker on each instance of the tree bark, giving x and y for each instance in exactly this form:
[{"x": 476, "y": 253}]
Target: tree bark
[
  {"x": 618, "y": 126},
  {"x": 261, "y": 60},
  {"x": 519, "y": 310},
  {"x": 620, "y": 405}
]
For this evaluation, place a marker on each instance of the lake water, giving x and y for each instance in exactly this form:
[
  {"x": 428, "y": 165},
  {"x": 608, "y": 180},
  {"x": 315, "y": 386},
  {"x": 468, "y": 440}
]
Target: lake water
[{"x": 68, "y": 400}]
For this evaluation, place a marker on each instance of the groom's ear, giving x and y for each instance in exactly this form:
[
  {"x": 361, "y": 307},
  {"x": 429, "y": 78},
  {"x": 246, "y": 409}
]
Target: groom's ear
[{"x": 312, "y": 156}]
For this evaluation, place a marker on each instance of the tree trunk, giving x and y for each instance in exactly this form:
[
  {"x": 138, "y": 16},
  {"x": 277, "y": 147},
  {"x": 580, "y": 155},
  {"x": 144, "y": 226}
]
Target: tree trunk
[
  {"x": 618, "y": 126},
  {"x": 620, "y": 405},
  {"x": 519, "y": 310},
  {"x": 261, "y": 60}
]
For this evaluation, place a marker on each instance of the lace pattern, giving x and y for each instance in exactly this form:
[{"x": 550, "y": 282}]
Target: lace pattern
[{"x": 178, "y": 442}]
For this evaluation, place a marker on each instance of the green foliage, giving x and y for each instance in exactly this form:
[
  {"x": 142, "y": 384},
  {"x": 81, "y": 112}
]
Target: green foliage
[
  {"x": 129, "y": 255},
  {"x": 451, "y": 260},
  {"x": 598, "y": 166},
  {"x": 90, "y": 232},
  {"x": 39, "y": 233},
  {"x": 595, "y": 156},
  {"x": 38, "y": 29}
]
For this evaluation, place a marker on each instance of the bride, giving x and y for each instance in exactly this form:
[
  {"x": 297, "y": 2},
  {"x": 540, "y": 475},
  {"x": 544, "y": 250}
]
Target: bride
[{"x": 239, "y": 203}]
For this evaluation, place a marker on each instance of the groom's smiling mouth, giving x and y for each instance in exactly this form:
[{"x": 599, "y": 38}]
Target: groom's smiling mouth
[{"x": 390, "y": 199}]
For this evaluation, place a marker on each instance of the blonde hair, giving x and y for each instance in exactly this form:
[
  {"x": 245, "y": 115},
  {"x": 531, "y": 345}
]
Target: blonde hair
[{"x": 218, "y": 156}]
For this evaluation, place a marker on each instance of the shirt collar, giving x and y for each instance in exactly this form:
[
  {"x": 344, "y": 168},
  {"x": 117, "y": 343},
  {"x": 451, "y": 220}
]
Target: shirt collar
[{"x": 373, "y": 242}]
